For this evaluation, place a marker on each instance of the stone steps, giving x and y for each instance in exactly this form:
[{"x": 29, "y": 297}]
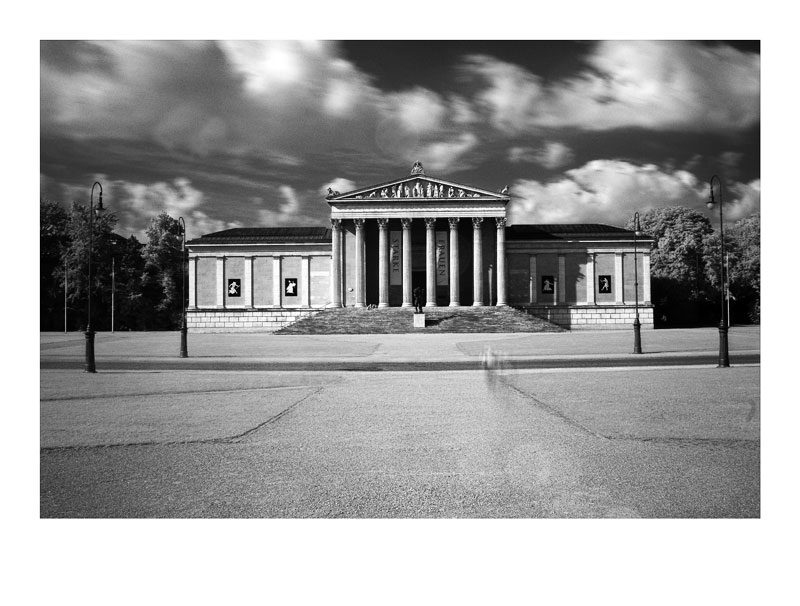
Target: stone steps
[{"x": 397, "y": 320}]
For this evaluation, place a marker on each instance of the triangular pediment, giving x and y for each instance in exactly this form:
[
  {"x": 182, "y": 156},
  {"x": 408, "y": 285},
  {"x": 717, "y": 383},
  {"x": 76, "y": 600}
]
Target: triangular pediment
[{"x": 416, "y": 187}]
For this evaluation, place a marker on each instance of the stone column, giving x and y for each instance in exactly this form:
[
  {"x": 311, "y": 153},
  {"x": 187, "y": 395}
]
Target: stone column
[
  {"x": 277, "y": 287},
  {"x": 220, "y": 281},
  {"x": 562, "y": 278},
  {"x": 247, "y": 287},
  {"x": 192, "y": 282},
  {"x": 407, "y": 295},
  {"x": 336, "y": 263},
  {"x": 454, "y": 269},
  {"x": 591, "y": 289},
  {"x": 430, "y": 262},
  {"x": 619, "y": 289},
  {"x": 477, "y": 262},
  {"x": 501, "y": 261},
  {"x": 533, "y": 282},
  {"x": 645, "y": 279},
  {"x": 360, "y": 264},
  {"x": 383, "y": 263}
]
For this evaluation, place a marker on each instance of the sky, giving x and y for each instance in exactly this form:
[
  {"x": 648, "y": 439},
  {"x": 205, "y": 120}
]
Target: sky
[{"x": 252, "y": 133}]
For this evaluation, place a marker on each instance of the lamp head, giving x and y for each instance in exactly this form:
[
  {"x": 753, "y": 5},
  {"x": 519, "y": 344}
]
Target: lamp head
[
  {"x": 637, "y": 228},
  {"x": 711, "y": 202}
]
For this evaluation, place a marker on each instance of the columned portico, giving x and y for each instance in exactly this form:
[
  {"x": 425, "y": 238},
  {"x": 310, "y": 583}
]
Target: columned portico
[{"x": 427, "y": 251}]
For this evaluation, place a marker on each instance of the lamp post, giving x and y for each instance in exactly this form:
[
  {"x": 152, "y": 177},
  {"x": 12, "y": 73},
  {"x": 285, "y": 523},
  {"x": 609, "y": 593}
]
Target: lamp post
[
  {"x": 90, "y": 367},
  {"x": 637, "y": 326},
  {"x": 113, "y": 263},
  {"x": 184, "y": 330},
  {"x": 724, "y": 361}
]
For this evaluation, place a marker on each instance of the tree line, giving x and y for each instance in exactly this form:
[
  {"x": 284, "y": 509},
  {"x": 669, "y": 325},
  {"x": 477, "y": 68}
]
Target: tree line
[
  {"x": 685, "y": 267},
  {"x": 145, "y": 279}
]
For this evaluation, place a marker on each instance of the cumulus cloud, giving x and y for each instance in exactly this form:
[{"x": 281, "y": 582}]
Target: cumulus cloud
[
  {"x": 659, "y": 85},
  {"x": 551, "y": 155},
  {"x": 291, "y": 205},
  {"x": 339, "y": 184},
  {"x": 610, "y": 191},
  {"x": 443, "y": 155},
  {"x": 136, "y": 203},
  {"x": 419, "y": 109},
  {"x": 746, "y": 200}
]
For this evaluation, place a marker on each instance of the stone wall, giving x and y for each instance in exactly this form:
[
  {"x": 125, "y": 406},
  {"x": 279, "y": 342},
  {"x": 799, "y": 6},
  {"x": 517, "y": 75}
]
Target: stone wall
[
  {"x": 591, "y": 317},
  {"x": 243, "y": 320}
]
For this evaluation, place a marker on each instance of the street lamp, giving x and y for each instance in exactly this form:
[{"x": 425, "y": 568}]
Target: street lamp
[
  {"x": 637, "y": 326},
  {"x": 184, "y": 330},
  {"x": 90, "y": 367},
  {"x": 724, "y": 361}
]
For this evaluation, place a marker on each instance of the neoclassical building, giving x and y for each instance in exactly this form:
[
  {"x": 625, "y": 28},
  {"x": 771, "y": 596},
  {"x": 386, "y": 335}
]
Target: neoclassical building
[{"x": 450, "y": 239}]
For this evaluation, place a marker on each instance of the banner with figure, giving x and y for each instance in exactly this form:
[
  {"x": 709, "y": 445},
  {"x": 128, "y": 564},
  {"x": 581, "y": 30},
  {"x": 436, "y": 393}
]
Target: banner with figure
[
  {"x": 395, "y": 258},
  {"x": 441, "y": 258}
]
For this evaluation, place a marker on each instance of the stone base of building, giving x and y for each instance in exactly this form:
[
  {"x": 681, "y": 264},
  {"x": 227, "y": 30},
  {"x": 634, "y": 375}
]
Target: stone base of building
[
  {"x": 244, "y": 320},
  {"x": 592, "y": 317}
]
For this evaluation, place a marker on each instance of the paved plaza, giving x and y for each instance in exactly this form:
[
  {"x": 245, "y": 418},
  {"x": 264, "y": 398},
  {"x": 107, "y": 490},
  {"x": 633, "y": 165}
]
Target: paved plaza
[{"x": 250, "y": 433}]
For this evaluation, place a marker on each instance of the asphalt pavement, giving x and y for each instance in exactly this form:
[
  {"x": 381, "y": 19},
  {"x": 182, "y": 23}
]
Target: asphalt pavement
[{"x": 495, "y": 440}]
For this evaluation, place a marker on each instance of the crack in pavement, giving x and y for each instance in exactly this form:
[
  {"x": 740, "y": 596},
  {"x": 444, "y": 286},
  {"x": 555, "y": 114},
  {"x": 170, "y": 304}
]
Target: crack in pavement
[
  {"x": 234, "y": 439},
  {"x": 553, "y": 411},
  {"x": 749, "y": 443}
]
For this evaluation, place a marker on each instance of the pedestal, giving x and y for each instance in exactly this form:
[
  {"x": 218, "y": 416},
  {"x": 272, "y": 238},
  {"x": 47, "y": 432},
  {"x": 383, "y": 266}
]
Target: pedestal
[{"x": 419, "y": 320}]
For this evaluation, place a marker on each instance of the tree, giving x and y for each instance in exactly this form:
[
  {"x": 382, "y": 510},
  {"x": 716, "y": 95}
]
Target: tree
[
  {"x": 53, "y": 241},
  {"x": 745, "y": 269},
  {"x": 76, "y": 256},
  {"x": 163, "y": 268},
  {"x": 678, "y": 264}
]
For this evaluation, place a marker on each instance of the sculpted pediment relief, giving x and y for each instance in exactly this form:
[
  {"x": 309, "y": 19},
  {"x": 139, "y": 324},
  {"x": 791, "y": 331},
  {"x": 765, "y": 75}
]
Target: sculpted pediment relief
[{"x": 418, "y": 188}]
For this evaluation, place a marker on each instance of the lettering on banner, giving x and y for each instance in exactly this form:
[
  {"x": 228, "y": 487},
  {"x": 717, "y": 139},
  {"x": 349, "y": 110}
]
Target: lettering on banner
[
  {"x": 441, "y": 258},
  {"x": 395, "y": 258}
]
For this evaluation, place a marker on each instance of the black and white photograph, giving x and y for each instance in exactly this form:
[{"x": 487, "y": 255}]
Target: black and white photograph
[{"x": 401, "y": 282}]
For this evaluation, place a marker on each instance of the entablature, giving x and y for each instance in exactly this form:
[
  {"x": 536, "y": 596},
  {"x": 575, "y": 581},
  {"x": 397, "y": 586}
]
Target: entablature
[{"x": 417, "y": 209}]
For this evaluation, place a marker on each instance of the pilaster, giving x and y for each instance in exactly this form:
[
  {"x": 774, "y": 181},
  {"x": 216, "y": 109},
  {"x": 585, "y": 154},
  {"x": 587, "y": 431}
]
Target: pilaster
[
  {"x": 277, "y": 287},
  {"x": 619, "y": 286},
  {"x": 192, "y": 282},
  {"x": 220, "y": 282},
  {"x": 247, "y": 287}
]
